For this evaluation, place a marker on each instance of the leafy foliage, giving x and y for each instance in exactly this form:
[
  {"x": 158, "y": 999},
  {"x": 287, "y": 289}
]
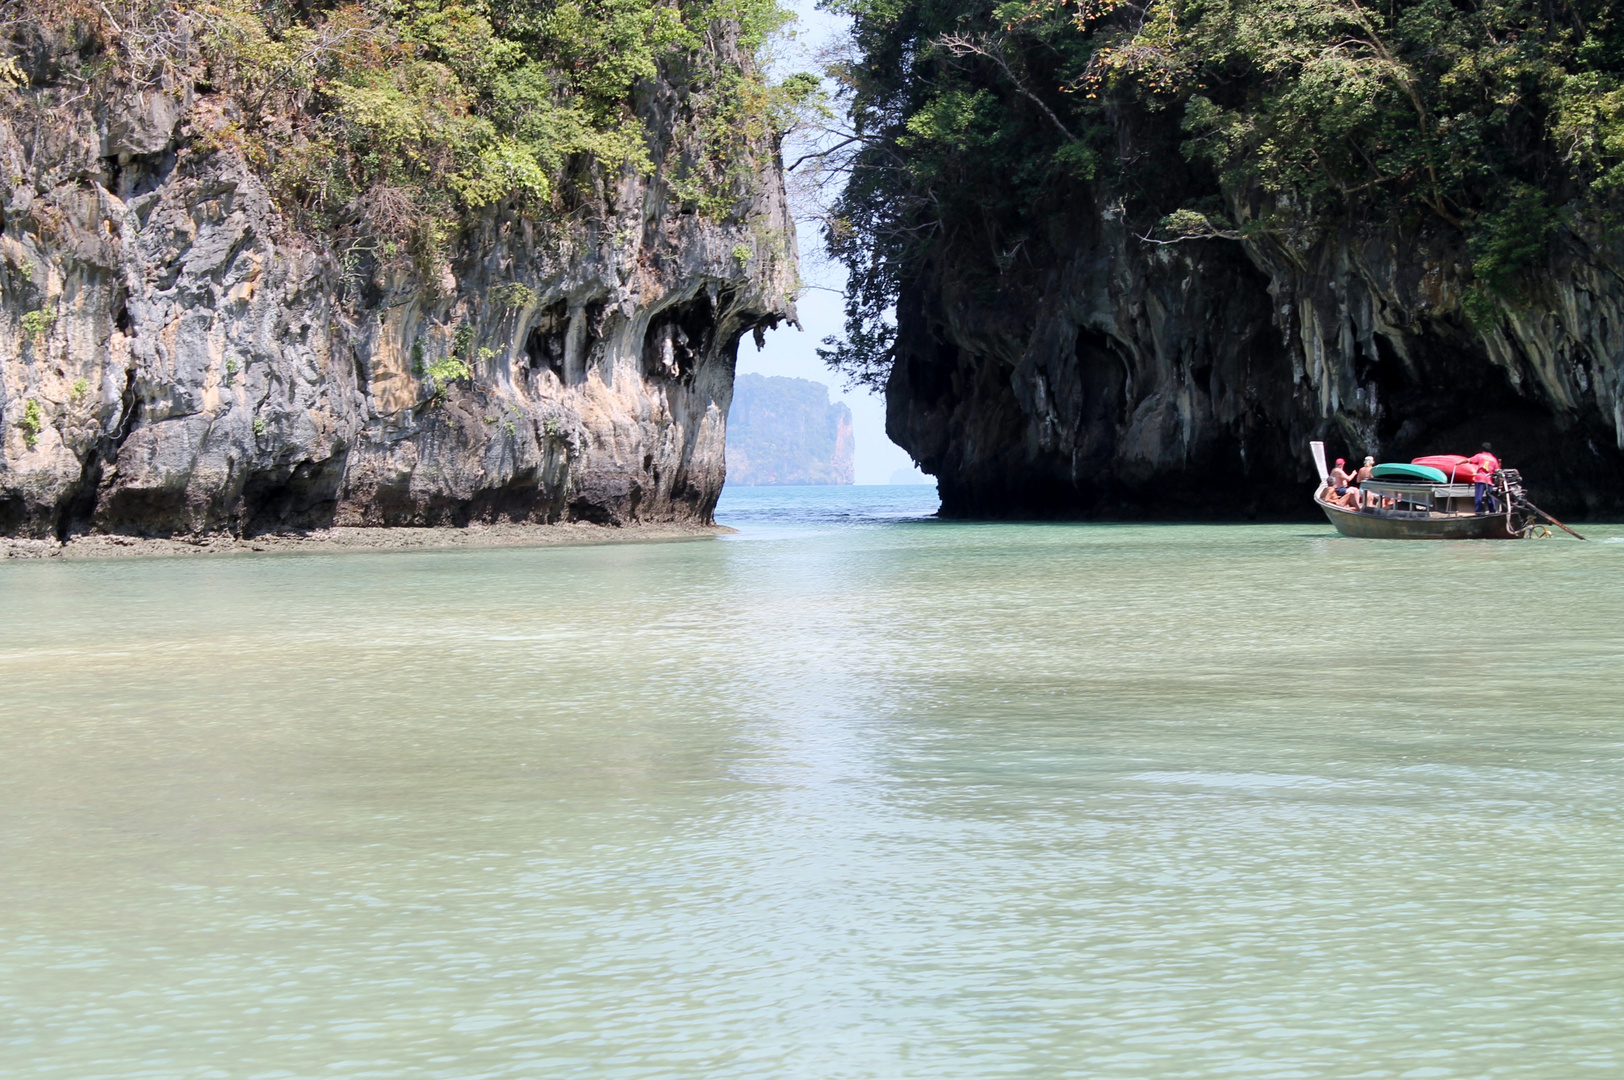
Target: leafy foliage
[
  {"x": 514, "y": 294},
  {"x": 32, "y": 423},
  {"x": 448, "y": 370},
  {"x": 977, "y": 118},
  {"x": 397, "y": 119},
  {"x": 38, "y": 323}
]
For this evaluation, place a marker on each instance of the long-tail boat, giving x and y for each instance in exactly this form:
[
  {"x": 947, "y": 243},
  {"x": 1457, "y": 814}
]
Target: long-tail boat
[{"x": 1409, "y": 507}]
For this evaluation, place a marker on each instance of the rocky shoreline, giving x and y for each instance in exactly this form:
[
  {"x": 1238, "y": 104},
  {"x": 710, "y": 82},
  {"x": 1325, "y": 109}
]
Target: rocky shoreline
[{"x": 115, "y": 546}]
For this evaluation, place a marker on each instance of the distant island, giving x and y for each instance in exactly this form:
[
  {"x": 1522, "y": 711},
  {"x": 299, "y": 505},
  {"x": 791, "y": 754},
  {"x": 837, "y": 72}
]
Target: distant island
[{"x": 786, "y": 431}]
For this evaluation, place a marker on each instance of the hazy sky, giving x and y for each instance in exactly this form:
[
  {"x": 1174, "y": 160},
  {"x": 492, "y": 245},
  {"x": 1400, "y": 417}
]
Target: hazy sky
[{"x": 794, "y": 353}]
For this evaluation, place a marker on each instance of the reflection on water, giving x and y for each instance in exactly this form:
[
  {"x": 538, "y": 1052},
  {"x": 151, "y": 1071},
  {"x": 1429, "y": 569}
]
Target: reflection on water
[{"x": 862, "y": 796}]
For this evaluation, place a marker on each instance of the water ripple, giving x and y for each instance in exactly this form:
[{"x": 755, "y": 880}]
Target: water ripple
[{"x": 834, "y": 797}]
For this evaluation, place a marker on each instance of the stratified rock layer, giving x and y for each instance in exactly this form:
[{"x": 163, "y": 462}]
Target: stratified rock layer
[
  {"x": 174, "y": 359},
  {"x": 1102, "y": 375}
]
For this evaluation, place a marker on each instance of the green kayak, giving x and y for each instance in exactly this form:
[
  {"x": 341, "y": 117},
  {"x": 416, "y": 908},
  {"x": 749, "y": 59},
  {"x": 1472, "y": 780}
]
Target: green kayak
[{"x": 1397, "y": 471}]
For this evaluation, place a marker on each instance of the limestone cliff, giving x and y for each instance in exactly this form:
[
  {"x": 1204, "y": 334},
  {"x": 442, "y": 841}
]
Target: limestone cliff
[
  {"x": 176, "y": 357},
  {"x": 1111, "y": 376},
  {"x": 786, "y": 431},
  {"x": 1140, "y": 254}
]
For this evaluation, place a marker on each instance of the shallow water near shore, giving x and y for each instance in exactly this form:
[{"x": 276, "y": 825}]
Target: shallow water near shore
[{"x": 851, "y": 793}]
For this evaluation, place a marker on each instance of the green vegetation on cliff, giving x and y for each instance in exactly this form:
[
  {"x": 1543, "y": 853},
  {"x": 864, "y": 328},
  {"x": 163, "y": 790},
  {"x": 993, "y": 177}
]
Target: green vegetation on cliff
[
  {"x": 254, "y": 249},
  {"x": 405, "y": 116},
  {"x": 976, "y": 119}
]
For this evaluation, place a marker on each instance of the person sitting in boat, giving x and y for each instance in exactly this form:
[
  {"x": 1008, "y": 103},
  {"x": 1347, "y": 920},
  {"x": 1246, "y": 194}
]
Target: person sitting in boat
[
  {"x": 1342, "y": 484},
  {"x": 1364, "y": 473},
  {"x": 1487, "y": 465},
  {"x": 1345, "y": 497}
]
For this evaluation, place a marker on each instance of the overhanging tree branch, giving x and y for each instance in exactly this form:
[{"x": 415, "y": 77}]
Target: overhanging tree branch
[{"x": 991, "y": 47}]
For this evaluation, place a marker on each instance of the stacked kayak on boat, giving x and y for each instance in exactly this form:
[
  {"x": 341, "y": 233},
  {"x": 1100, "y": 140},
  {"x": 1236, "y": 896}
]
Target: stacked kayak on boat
[
  {"x": 1413, "y": 473},
  {"x": 1457, "y": 468}
]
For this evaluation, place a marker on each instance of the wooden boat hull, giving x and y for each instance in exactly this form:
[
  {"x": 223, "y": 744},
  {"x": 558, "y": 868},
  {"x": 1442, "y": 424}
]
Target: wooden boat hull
[{"x": 1384, "y": 525}]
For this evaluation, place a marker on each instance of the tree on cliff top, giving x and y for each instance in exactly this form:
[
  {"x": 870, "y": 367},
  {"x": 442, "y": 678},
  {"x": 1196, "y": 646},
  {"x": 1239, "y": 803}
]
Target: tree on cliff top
[
  {"x": 973, "y": 119},
  {"x": 403, "y": 116}
]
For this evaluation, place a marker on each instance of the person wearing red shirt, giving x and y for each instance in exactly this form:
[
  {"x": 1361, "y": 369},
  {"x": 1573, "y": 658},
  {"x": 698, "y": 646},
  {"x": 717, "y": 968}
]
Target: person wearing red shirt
[{"x": 1487, "y": 465}]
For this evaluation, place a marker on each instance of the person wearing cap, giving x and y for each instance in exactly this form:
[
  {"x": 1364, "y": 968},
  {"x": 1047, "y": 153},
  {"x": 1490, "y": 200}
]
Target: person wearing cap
[
  {"x": 1364, "y": 473},
  {"x": 1342, "y": 483}
]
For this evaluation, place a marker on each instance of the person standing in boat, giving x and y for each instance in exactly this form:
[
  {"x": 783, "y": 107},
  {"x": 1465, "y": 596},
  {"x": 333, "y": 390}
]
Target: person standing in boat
[{"x": 1487, "y": 465}]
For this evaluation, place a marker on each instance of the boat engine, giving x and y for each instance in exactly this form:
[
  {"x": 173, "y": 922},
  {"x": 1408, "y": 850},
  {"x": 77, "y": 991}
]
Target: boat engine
[{"x": 1525, "y": 515}]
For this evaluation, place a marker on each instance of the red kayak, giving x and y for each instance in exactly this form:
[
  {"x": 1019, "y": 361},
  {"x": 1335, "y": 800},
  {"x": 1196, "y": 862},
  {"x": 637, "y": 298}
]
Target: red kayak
[{"x": 1454, "y": 466}]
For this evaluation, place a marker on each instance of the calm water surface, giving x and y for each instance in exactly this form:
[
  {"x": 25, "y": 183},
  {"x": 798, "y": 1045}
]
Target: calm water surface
[{"x": 851, "y": 793}]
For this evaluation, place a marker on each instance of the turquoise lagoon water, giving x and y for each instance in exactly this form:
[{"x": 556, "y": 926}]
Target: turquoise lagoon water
[{"x": 851, "y": 793}]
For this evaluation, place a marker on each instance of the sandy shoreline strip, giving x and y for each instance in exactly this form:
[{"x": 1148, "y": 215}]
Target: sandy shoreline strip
[{"x": 109, "y": 546}]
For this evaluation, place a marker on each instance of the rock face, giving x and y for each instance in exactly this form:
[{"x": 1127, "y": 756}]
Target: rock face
[
  {"x": 786, "y": 431},
  {"x": 1102, "y": 375},
  {"x": 174, "y": 359}
]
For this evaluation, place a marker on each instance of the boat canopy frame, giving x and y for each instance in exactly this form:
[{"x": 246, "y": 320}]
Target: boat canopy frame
[{"x": 1419, "y": 496}]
